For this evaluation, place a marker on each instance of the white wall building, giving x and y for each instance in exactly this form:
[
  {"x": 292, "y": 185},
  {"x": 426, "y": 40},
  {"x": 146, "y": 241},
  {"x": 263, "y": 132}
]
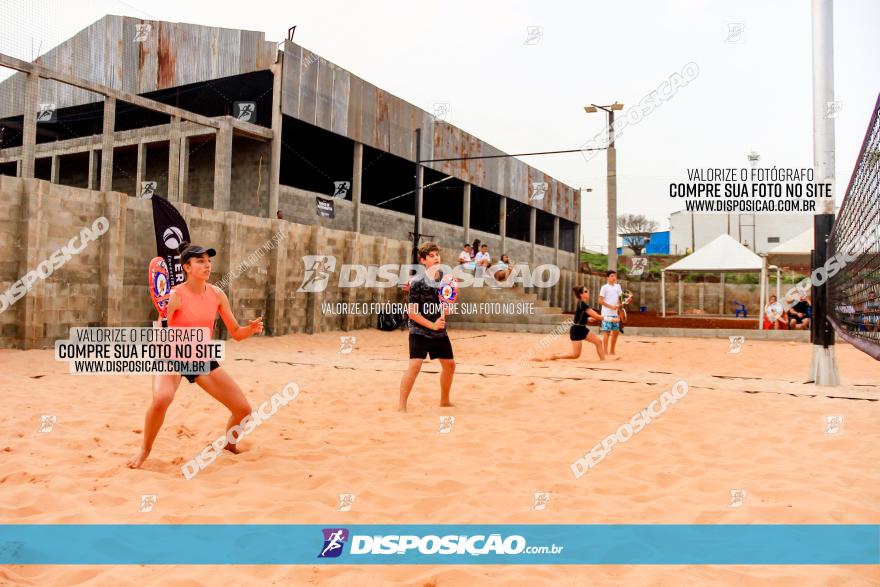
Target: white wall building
[{"x": 758, "y": 232}]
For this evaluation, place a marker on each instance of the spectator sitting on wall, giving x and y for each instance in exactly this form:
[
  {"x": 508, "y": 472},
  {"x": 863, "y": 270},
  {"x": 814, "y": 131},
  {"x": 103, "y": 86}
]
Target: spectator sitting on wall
[
  {"x": 464, "y": 258},
  {"x": 475, "y": 248},
  {"x": 279, "y": 215},
  {"x": 502, "y": 269},
  {"x": 483, "y": 259},
  {"x": 774, "y": 317},
  {"x": 797, "y": 315}
]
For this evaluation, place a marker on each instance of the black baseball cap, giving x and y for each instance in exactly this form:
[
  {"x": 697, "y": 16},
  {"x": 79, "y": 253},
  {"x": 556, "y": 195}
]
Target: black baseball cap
[{"x": 195, "y": 251}]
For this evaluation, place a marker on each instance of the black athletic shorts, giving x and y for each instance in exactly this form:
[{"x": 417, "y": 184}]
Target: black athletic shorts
[
  {"x": 192, "y": 378},
  {"x": 421, "y": 346},
  {"x": 578, "y": 332}
]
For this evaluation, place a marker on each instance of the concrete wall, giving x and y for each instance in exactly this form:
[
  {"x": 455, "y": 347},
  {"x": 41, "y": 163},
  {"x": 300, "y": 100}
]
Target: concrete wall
[
  {"x": 704, "y": 296},
  {"x": 105, "y": 285},
  {"x": 250, "y": 176},
  {"x": 299, "y": 206}
]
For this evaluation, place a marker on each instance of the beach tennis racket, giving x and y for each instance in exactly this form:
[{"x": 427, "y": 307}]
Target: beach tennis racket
[
  {"x": 627, "y": 298},
  {"x": 160, "y": 286},
  {"x": 448, "y": 291}
]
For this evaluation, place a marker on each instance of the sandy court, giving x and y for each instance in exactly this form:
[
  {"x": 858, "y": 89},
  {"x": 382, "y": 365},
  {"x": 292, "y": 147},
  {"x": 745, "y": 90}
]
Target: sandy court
[{"x": 748, "y": 422}]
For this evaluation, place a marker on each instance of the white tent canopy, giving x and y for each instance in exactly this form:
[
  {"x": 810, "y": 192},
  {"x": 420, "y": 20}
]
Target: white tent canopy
[
  {"x": 722, "y": 255},
  {"x": 795, "y": 251},
  {"x": 801, "y": 244}
]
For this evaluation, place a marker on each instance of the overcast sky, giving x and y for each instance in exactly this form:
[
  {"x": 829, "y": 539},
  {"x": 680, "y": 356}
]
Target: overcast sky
[{"x": 753, "y": 90}]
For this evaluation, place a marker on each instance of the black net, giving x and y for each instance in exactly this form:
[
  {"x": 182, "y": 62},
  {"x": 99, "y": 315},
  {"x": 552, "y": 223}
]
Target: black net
[{"x": 854, "y": 291}]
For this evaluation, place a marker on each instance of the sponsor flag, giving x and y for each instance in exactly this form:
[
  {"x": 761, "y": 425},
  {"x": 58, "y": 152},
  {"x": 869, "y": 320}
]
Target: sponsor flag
[
  {"x": 324, "y": 208},
  {"x": 171, "y": 231}
]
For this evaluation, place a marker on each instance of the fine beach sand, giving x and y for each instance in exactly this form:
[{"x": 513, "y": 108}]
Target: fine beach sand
[{"x": 748, "y": 422}]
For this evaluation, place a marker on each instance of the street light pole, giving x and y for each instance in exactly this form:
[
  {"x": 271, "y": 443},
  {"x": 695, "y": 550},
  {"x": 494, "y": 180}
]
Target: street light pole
[
  {"x": 611, "y": 161},
  {"x": 417, "y": 212}
]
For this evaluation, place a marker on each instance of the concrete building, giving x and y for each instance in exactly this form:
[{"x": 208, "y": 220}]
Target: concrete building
[
  {"x": 253, "y": 126},
  {"x": 758, "y": 232}
]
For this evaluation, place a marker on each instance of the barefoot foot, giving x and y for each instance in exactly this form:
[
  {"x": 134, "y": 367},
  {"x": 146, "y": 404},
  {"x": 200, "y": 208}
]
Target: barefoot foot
[{"x": 138, "y": 460}]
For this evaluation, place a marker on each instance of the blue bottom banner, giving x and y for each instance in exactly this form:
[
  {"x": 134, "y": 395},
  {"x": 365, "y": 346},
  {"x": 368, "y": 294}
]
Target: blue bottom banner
[{"x": 421, "y": 544}]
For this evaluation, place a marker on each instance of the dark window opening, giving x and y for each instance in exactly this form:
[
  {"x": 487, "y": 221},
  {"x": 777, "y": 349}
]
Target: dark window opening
[
  {"x": 772, "y": 239},
  {"x": 386, "y": 178},
  {"x": 485, "y": 210},
  {"x": 10, "y": 168},
  {"x": 74, "y": 170},
  {"x": 69, "y": 123},
  {"x": 217, "y": 97},
  {"x": 156, "y": 167},
  {"x": 125, "y": 170},
  {"x": 313, "y": 159},
  {"x": 567, "y": 235},
  {"x": 211, "y": 98},
  {"x": 444, "y": 201},
  {"x": 43, "y": 168},
  {"x": 130, "y": 117},
  {"x": 518, "y": 220},
  {"x": 544, "y": 229}
]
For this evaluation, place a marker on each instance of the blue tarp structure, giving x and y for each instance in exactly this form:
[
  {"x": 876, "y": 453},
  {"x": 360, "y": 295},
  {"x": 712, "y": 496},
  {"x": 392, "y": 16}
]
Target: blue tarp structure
[{"x": 659, "y": 244}]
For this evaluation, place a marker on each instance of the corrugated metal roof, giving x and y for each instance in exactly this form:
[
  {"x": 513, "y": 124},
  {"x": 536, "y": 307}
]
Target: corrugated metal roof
[
  {"x": 171, "y": 54},
  {"x": 323, "y": 94},
  {"x": 313, "y": 90}
]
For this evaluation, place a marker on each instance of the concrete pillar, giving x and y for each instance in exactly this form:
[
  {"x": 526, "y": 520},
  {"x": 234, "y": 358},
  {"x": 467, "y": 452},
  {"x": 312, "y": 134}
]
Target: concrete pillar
[
  {"x": 231, "y": 258},
  {"x": 173, "y": 160},
  {"x": 112, "y": 296},
  {"x": 223, "y": 166},
  {"x": 29, "y": 128},
  {"x": 722, "y": 287},
  {"x": 140, "y": 169},
  {"x": 533, "y": 224},
  {"x": 680, "y": 294},
  {"x": 277, "y": 281},
  {"x": 183, "y": 180},
  {"x": 663, "y": 292},
  {"x": 93, "y": 163},
  {"x": 313, "y": 300},
  {"x": 642, "y": 300},
  {"x": 56, "y": 169},
  {"x": 556, "y": 240},
  {"x": 34, "y": 227},
  {"x": 502, "y": 225},
  {"x": 107, "y": 144},
  {"x": 611, "y": 153},
  {"x": 275, "y": 153},
  {"x": 357, "y": 179},
  {"x": 354, "y": 242},
  {"x": 701, "y": 294},
  {"x": 577, "y": 248},
  {"x": 466, "y": 215},
  {"x": 420, "y": 194},
  {"x": 18, "y": 168}
]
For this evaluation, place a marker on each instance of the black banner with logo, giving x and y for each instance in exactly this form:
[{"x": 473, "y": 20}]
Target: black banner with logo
[
  {"x": 171, "y": 231},
  {"x": 324, "y": 208}
]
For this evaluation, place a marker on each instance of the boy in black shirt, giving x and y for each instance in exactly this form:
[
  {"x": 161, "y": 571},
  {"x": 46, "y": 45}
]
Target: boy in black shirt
[
  {"x": 579, "y": 331},
  {"x": 427, "y": 327}
]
